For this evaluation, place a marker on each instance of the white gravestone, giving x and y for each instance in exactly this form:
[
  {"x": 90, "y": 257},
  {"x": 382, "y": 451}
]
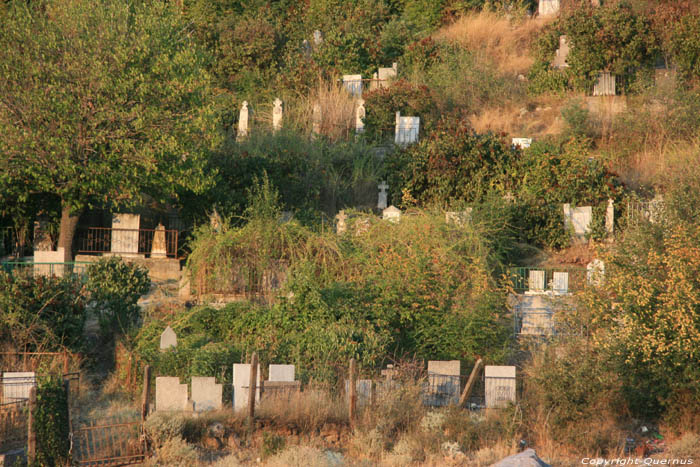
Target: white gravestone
[
  {"x": 125, "y": 234},
  {"x": 317, "y": 119},
  {"x": 280, "y": 373},
  {"x": 16, "y": 385},
  {"x": 595, "y": 272},
  {"x": 206, "y": 394},
  {"x": 243, "y": 121},
  {"x": 168, "y": 339},
  {"x": 353, "y": 84},
  {"x": 382, "y": 198},
  {"x": 548, "y": 7},
  {"x": 610, "y": 218},
  {"x": 459, "y": 218},
  {"x": 500, "y": 386},
  {"x": 605, "y": 86},
  {"x": 407, "y": 130},
  {"x": 40, "y": 256},
  {"x": 277, "y": 115},
  {"x": 443, "y": 380},
  {"x": 341, "y": 227},
  {"x": 391, "y": 214},
  {"x": 385, "y": 75},
  {"x": 561, "y": 54},
  {"x": 579, "y": 219},
  {"x": 522, "y": 143},
  {"x": 360, "y": 113},
  {"x": 535, "y": 280},
  {"x": 560, "y": 282},
  {"x": 170, "y": 394},
  {"x": 159, "y": 248},
  {"x": 318, "y": 37},
  {"x": 241, "y": 383}
]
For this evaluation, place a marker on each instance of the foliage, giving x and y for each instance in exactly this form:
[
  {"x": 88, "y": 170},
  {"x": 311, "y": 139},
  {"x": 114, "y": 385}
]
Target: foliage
[
  {"x": 612, "y": 38},
  {"x": 41, "y": 313},
  {"x": 684, "y": 47},
  {"x": 115, "y": 287},
  {"x": 51, "y": 423},
  {"x": 124, "y": 88},
  {"x": 452, "y": 165}
]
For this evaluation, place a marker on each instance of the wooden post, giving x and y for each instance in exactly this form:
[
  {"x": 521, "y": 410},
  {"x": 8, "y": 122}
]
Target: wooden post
[
  {"x": 31, "y": 429},
  {"x": 65, "y": 362},
  {"x": 470, "y": 383},
  {"x": 252, "y": 388},
  {"x": 145, "y": 397},
  {"x": 352, "y": 393},
  {"x": 66, "y": 388}
]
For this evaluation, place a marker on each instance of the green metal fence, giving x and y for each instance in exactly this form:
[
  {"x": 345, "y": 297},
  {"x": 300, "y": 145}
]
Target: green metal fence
[
  {"x": 544, "y": 279},
  {"x": 45, "y": 269}
]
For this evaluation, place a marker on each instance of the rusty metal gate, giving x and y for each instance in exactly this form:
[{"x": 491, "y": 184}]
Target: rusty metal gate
[{"x": 106, "y": 443}]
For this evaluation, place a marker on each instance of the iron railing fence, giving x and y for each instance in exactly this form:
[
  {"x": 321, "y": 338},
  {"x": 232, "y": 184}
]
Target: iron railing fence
[
  {"x": 46, "y": 269},
  {"x": 154, "y": 243},
  {"x": 522, "y": 280}
]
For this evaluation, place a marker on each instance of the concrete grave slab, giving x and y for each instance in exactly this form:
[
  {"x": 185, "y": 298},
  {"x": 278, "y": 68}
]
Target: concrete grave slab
[
  {"x": 170, "y": 394},
  {"x": 206, "y": 394},
  {"x": 281, "y": 372},
  {"x": 500, "y": 386},
  {"x": 241, "y": 383},
  {"x": 16, "y": 385}
]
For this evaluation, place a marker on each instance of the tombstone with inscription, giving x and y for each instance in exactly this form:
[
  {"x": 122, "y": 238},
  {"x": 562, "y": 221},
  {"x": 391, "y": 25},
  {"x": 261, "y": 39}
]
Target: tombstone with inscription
[
  {"x": 241, "y": 382},
  {"x": 407, "y": 130},
  {"x": 382, "y": 198},
  {"x": 391, "y": 214},
  {"x": 443, "y": 382},
  {"x": 360, "y": 114},
  {"x": 605, "y": 86},
  {"x": 159, "y": 248},
  {"x": 243, "y": 121},
  {"x": 353, "y": 84},
  {"x": 125, "y": 234},
  {"x": 500, "y": 386},
  {"x": 385, "y": 75},
  {"x": 548, "y": 7},
  {"x": 170, "y": 394},
  {"x": 280, "y": 372},
  {"x": 535, "y": 280},
  {"x": 206, "y": 394},
  {"x": 16, "y": 385},
  {"x": 560, "y": 282},
  {"x": 578, "y": 218},
  {"x": 168, "y": 339},
  {"x": 276, "y": 115}
]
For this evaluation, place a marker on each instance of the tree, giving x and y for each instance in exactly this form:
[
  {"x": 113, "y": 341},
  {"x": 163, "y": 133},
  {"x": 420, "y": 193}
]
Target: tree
[{"x": 101, "y": 103}]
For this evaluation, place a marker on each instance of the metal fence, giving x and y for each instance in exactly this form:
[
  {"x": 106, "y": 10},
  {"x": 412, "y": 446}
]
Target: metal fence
[
  {"x": 16, "y": 388},
  {"x": 108, "y": 444},
  {"x": 533, "y": 321},
  {"x": 45, "y": 269},
  {"x": 147, "y": 242},
  {"x": 13, "y": 425},
  {"x": 520, "y": 279}
]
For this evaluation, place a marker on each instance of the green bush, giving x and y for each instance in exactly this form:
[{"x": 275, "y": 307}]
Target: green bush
[
  {"x": 51, "y": 423},
  {"x": 685, "y": 48}
]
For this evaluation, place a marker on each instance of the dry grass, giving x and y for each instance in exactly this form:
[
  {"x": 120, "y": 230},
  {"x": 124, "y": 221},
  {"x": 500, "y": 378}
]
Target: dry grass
[
  {"x": 307, "y": 411},
  {"x": 543, "y": 119},
  {"x": 504, "y": 42}
]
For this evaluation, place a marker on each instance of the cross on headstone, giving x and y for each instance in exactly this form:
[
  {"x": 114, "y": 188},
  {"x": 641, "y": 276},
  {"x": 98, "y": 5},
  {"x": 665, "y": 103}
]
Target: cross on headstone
[
  {"x": 389, "y": 372},
  {"x": 382, "y": 200},
  {"x": 341, "y": 226}
]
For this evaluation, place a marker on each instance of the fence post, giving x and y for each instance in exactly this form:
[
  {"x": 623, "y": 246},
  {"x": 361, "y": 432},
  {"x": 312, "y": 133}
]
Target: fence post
[
  {"x": 65, "y": 362},
  {"x": 31, "y": 429},
  {"x": 252, "y": 387},
  {"x": 352, "y": 399},
  {"x": 146, "y": 392},
  {"x": 66, "y": 388},
  {"x": 471, "y": 382}
]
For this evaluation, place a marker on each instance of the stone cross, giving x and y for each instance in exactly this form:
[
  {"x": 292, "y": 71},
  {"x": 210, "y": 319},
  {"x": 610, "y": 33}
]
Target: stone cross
[
  {"x": 381, "y": 202},
  {"x": 389, "y": 372},
  {"x": 243, "y": 121},
  {"x": 561, "y": 54},
  {"x": 610, "y": 217},
  {"x": 168, "y": 339},
  {"x": 317, "y": 119},
  {"x": 277, "y": 115},
  {"x": 341, "y": 226},
  {"x": 159, "y": 248},
  {"x": 360, "y": 114}
]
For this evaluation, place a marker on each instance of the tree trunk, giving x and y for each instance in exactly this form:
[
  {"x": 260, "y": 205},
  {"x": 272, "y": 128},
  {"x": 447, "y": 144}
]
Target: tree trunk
[{"x": 69, "y": 224}]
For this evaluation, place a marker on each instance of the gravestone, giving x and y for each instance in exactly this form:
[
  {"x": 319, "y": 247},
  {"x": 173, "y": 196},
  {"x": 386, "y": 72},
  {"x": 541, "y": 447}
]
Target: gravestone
[
  {"x": 363, "y": 390},
  {"x": 170, "y": 394},
  {"x": 206, "y": 394},
  {"x": 42, "y": 239},
  {"x": 385, "y": 75},
  {"x": 407, "y": 130},
  {"x": 655, "y": 213},
  {"x": 579, "y": 219},
  {"x": 595, "y": 272},
  {"x": 548, "y": 7},
  {"x": 159, "y": 248},
  {"x": 522, "y": 143},
  {"x": 561, "y": 54},
  {"x": 535, "y": 280},
  {"x": 443, "y": 382},
  {"x": 341, "y": 227},
  {"x": 459, "y": 218},
  {"x": 360, "y": 113},
  {"x": 241, "y": 382},
  {"x": 168, "y": 339},
  {"x": 243, "y": 121},
  {"x": 125, "y": 234},
  {"x": 16, "y": 385},
  {"x": 610, "y": 217},
  {"x": 605, "y": 86},
  {"x": 500, "y": 386},
  {"x": 280, "y": 372},
  {"x": 353, "y": 84},
  {"x": 318, "y": 37},
  {"x": 382, "y": 198},
  {"x": 391, "y": 214},
  {"x": 58, "y": 256},
  {"x": 306, "y": 48},
  {"x": 317, "y": 118},
  {"x": 560, "y": 282},
  {"x": 277, "y": 115},
  {"x": 362, "y": 226}
]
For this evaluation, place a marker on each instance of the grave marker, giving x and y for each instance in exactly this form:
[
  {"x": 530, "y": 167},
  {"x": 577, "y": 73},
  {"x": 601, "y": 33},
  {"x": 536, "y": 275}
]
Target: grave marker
[
  {"x": 206, "y": 394},
  {"x": 241, "y": 381},
  {"x": 341, "y": 227},
  {"x": 522, "y": 143},
  {"x": 579, "y": 218},
  {"x": 605, "y": 86},
  {"x": 384, "y": 75},
  {"x": 16, "y": 385},
  {"x": 500, "y": 386},
  {"x": 159, "y": 248},
  {"x": 170, "y": 394},
  {"x": 316, "y": 119},
  {"x": 318, "y": 37},
  {"x": 243, "y": 121},
  {"x": 560, "y": 282},
  {"x": 391, "y": 214},
  {"x": 407, "y": 130},
  {"x": 360, "y": 113},
  {"x": 443, "y": 381},
  {"x": 535, "y": 280},
  {"x": 382, "y": 198},
  {"x": 125, "y": 234},
  {"x": 281, "y": 373},
  {"x": 561, "y": 54},
  {"x": 277, "y": 115},
  {"x": 610, "y": 217},
  {"x": 353, "y": 84},
  {"x": 548, "y": 7},
  {"x": 168, "y": 339}
]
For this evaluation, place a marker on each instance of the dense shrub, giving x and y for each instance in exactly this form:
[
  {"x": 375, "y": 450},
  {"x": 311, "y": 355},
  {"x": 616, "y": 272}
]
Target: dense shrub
[
  {"x": 51, "y": 423},
  {"x": 685, "y": 48}
]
